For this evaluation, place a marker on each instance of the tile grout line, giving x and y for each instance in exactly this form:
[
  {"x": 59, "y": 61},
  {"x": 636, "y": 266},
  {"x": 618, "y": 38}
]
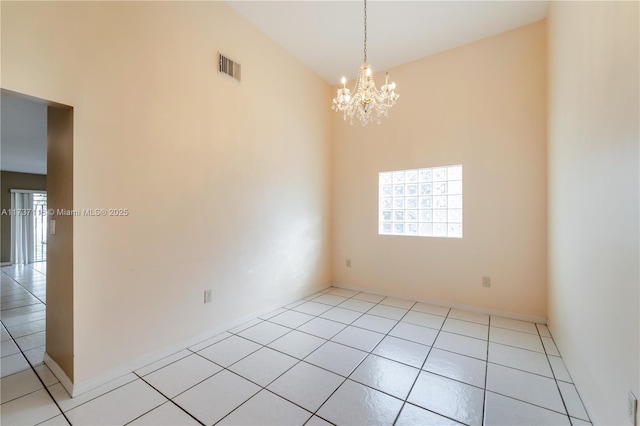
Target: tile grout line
[
  {"x": 30, "y": 282},
  {"x": 254, "y": 394},
  {"x": 222, "y": 368},
  {"x": 528, "y": 403},
  {"x": 290, "y": 368},
  {"x": 30, "y": 334},
  {"x": 95, "y": 397},
  {"x": 486, "y": 376},
  {"x": 563, "y": 381},
  {"x": 345, "y": 326},
  {"x": 11, "y": 298},
  {"x": 528, "y": 372},
  {"x": 168, "y": 399},
  {"x": 237, "y": 334},
  {"x": 362, "y": 360},
  {"x": 397, "y": 320},
  {"x": 404, "y": 401},
  {"x": 420, "y": 370},
  {"x": 564, "y": 404},
  {"x": 44, "y": 386},
  {"x": 314, "y": 413}
]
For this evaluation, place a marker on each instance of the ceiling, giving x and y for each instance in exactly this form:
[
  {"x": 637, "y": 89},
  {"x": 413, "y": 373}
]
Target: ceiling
[
  {"x": 23, "y": 136},
  {"x": 327, "y": 36}
]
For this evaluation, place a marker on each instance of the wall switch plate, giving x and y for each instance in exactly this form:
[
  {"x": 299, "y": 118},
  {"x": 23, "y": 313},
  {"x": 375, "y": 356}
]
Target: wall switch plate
[
  {"x": 52, "y": 226},
  {"x": 348, "y": 263},
  {"x": 207, "y": 296},
  {"x": 632, "y": 407},
  {"x": 486, "y": 281}
]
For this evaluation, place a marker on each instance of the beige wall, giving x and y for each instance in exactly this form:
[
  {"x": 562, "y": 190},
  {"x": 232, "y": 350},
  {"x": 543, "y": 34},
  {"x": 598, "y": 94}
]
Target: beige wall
[
  {"x": 9, "y": 181},
  {"x": 593, "y": 200},
  {"x": 482, "y": 105},
  {"x": 204, "y": 164}
]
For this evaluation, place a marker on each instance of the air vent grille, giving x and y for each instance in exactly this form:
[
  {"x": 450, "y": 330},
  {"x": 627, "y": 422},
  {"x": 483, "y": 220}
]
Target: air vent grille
[{"x": 229, "y": 67}]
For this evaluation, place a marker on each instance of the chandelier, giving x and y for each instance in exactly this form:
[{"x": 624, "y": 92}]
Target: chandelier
[{"x": 367, "y": 102}]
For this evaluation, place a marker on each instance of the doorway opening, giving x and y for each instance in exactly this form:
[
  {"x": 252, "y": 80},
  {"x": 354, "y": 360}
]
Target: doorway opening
[{"x": 37, "y": 182}]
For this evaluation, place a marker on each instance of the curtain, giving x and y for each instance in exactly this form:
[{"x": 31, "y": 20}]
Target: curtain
[{"x": 22, "y": 227}]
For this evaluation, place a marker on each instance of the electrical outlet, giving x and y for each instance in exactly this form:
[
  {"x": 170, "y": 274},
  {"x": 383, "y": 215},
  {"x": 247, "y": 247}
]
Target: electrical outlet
[
  {"x": 207, "y": 296},
  {"x": 348, "y": 263},
  {"x": 486, "y": 281},
  {"x": 632, "y": 407}
]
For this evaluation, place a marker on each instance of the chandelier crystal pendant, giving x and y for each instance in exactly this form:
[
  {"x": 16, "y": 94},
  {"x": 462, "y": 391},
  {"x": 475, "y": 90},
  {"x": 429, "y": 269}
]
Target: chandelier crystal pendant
[{"x": 367, "y": 102}]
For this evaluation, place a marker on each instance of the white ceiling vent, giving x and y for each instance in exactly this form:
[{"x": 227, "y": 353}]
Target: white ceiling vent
[{"x": 229, "y": 67}]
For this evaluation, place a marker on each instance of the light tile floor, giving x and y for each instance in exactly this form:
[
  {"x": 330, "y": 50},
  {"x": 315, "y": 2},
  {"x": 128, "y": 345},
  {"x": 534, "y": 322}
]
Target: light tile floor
[{"x": 335, "y": 357}]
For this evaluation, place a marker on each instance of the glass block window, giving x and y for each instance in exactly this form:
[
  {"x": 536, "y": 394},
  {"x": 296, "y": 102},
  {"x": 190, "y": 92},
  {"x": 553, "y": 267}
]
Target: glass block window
[{"x": 421, "y": 202}]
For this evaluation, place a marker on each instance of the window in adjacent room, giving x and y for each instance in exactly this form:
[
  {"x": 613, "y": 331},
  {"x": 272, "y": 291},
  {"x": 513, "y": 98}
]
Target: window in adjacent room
[{"x": 421, "y": 202}]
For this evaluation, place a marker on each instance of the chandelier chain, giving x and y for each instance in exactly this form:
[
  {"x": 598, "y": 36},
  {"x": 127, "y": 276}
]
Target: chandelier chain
[{"x": 365, "y": 31}]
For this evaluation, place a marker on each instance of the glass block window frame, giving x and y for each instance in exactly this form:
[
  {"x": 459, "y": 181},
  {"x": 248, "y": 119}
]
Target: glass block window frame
[{"x": 421, "y": 202}]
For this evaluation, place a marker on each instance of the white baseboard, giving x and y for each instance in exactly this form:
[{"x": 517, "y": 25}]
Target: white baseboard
[
  {"x": 76, "y": 389},
  {"x": 6, "y": 264},
  {"x": 497, "y": 312},
  {"x": 59, "y": 373}
]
